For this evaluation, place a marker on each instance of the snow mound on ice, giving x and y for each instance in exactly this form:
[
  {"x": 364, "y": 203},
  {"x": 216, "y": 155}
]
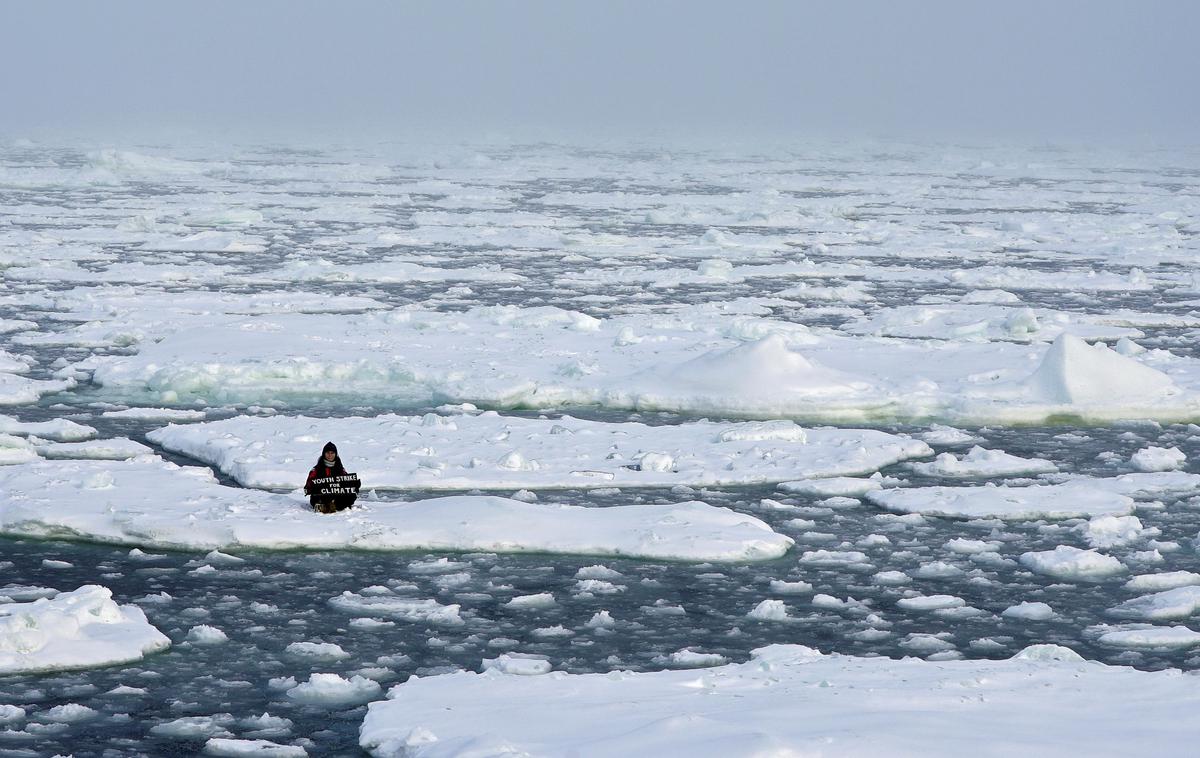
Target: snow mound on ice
[
  {"x": 79, "y": 629},
  {"x": 1075, "y": 373},
  {"x": 765, "y": 367}
]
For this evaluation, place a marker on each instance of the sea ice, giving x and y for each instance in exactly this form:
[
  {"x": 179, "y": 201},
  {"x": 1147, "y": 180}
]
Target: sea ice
[
  {"x": 83, "y": 628},
  {"x": 1084, "y": 496},
  {"x": 1064, "y": 705},
  {"x": 980, "y": 463},
  {"x": 501, "y": 452},
  {"x": 153, "y": 503},
  {"x": 1072, "y": 564}
]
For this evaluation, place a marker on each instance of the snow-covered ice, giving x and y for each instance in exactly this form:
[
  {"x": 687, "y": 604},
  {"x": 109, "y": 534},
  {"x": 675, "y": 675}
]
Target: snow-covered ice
[
  {"x": 980, "y": 463},
  {"x": 492, "y": 451},
  {"x": 82, "y": 628},
  {"x": 790, "y": 699},
  {"x": 153, "y": 503},
  {"x": 1085, "y": 496}
]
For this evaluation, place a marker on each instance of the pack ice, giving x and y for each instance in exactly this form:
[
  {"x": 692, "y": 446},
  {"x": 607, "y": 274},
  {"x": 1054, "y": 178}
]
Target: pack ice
[
  {"x": 793, "y": 700},
  {"x": 493, "y": 451},
  {"x": 83, "y": 628},
  {"x": 146, "y": 501},
  {"x": 697, "y": 360}
]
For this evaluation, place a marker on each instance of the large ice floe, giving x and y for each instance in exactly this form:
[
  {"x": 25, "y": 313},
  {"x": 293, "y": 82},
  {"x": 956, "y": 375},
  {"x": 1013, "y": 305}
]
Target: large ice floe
[
  {"x": 83, "y": 628},
  {"x": 1085, "y": 496},
  {"x": 793, "y": 700},
  {"x": 493, "y": 451},
  {"x": 150, "y": 502},
  {"x": 697, "y": 359}
]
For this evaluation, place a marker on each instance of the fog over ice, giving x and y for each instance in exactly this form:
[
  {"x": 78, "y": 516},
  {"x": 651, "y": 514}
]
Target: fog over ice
[{"x": 1069, "y": 71}]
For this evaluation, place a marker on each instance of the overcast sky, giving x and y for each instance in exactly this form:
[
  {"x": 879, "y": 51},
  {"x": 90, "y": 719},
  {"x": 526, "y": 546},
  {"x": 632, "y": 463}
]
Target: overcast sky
[{"x": 1065, "y": 69}]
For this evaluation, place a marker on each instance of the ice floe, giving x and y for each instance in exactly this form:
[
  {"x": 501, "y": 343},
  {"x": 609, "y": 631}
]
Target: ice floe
[
  {"x": 981, "y": 463},
  {"x": 493, "y": 451},
  {"x": 1085, "y": 496},
  {"x": 83, "y": 628},
  {"x": 1061, "y": 703},
  {"x": 149, "y": 502},
  {"x": 1073, "y": 564},
  {"x": 696, "y": 361}
]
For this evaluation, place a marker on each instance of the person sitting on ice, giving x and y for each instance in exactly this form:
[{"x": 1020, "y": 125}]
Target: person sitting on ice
[{"x": 330, "y": 465}]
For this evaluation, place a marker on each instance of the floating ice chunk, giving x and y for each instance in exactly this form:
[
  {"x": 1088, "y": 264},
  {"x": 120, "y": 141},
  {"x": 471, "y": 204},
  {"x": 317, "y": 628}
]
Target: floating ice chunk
[
  {"x": 1168, "y": 605},
  {"x": 316, "y": 651},
  {"x": 601, "y": 620},
  {"x": 156, "y": 414},
  {"x": 1151, "y": 638},
  {"x": 149, "y": 502},
  {"x": 891, "y": 578},
  {"x": 585, "y": 587},
  {"x": 834, "y": 557},
  {"x": 1158, "y": 459},
  {"x": 332, "y": 691},
  {"x": 1072, "y": 564},
  {"x": 964, "y": 546},
  {"x": 409, "y": 451},
  {"x": 837, "y": 486},
  {"x": 941, "y": 435},
  {"x": 790, "y": 588},
  {"x": 688, "y": 658},
  {"x": 59, "y": 429},
  {"x": 1083, "y": 497},
  {"x": 983, "y": 463},
  {"x": 930, "y": 602},
  {"x": 1110, "y": 531},
  {"x": 976, "y": 321},
  {"x": 926, "y": 644},
  {"x": 1048, "y": 689},
  {"x": 14, "y": 450},
  {"x": 531, "y": 602},
  {"x": 79, "y": 629},
  {"x": 521, "y": 664},
  {"x": 117, "y": 449},
  {"x": 224, "y": 746},
  {"x": 1168, "y": 580},
  {"x": 206, "y": 635},
  {"x": 194, "y": 727},
  {"x": 937, "y": 570},
  {"x": 20, "y": 390},
  {"x": 1029, "y": 611},
  {"x": 209, "y": 242},
  {"x": 598, "y": 571},
  {"x": 769, "y": 610},
  {"x": 70, "y": 713},
  {"x": 425, "y": 611}
]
